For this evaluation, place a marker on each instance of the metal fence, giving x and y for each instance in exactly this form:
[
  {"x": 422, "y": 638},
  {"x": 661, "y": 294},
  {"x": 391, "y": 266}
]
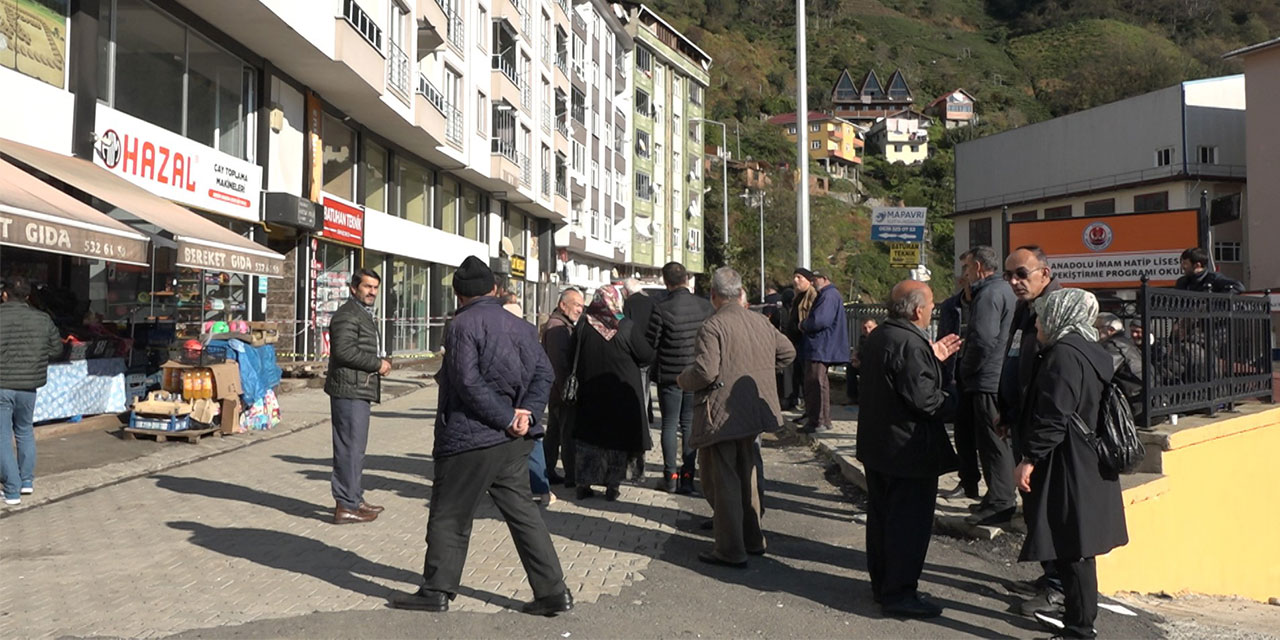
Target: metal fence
[{"x": 1202, "y": 351}]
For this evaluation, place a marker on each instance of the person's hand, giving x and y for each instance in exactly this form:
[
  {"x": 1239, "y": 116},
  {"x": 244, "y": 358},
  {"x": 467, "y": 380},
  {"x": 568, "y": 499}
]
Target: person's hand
[
  {"x": 520, "y": 423},
  {"x": 1002, "y": 429},
  {"x": 947, "y": 346},
  {"x": 1022, "y": 476},
  {"x": 385, "y": 368}
]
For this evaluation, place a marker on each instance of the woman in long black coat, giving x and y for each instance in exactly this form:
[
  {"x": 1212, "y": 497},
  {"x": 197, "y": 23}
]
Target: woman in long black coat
[
  {"x": 611, "y": 419},
  {"x": 1073, "y": 511}
]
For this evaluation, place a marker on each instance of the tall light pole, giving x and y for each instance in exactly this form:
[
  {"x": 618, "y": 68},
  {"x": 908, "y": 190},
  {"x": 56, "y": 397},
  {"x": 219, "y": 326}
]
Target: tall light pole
[
  {"x": 802, "y": 140},
  {"x": 724, "y": 173}
]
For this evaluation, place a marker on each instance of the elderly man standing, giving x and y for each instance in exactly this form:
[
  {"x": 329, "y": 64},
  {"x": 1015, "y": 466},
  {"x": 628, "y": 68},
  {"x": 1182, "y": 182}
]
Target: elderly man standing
[
  {"x": 826, "y": 335},
  {"x": 902, "y": 442},
  {"x": 735, "y": 357},
  {"x": 557, "y": 341},
  {"x": 493, "y": 388}
]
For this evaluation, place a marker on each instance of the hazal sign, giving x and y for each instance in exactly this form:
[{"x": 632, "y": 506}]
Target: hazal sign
[
  {"x": 174, "y": 167},
  {"x": 1112, "y": 251}
]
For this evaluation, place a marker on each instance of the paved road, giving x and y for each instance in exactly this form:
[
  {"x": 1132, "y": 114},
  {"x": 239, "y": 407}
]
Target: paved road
[{"x": 238, "y": 546}]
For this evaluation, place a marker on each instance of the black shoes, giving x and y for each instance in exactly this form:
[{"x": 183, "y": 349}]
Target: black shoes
[
  {"x": 819, "y": 428},
  {"x": 1047, "y": 601},
  {"x": 423, "y": 599},
  {"x": 962, "y": 490},
  {"x": 668, "y": 482},
  {"x": 914, "y": 606},
  {"x": 611, "y": 493},
  {"x": 554, "y": 478},
  {"x": 685, "y": 485},
  {"x": 585, "y": 492},
  {"x": 991, "y": 516},
  {"x": 711, "y": 558},
  {"x": 550, "y": 605}
]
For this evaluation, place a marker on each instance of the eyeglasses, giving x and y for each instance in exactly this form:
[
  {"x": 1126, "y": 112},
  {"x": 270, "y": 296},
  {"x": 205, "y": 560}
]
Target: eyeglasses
[{"x": 1021, "y": 273}]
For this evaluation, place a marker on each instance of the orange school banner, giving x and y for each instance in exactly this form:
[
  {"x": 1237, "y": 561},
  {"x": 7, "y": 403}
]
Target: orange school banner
[{"x": 1113, "y": 251}]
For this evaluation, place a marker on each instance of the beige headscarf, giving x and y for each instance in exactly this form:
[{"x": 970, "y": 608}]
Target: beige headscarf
[
  {"x": 1067, "y": 311},
  {"x": 805, "y": 304}
]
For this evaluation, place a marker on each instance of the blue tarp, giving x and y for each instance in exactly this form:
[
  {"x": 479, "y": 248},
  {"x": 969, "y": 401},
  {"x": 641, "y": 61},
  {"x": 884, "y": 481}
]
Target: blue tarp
[{"x": 258, "y": 369}]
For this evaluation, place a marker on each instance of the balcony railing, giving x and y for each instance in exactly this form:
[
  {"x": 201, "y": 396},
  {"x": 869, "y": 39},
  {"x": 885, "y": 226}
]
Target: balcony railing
[
  {"x": 507, "y": 67},
  {"x": 562, "y": 62},
  {"x": 546, "y": 118},
  {"x": 397, "y": 69},
  {"x": 579, "y": 113},
  {"x": 562, "y": 127},
  {"x": 546, "y": 183},
  {"x": 457, "y": 37},
  {"x": 563, "y": 4},
  {"x": 562, "y": 187},
  {"x": 548, "y": 53},
  {"x": 363, "y": 23},
  {"x": 505, "y": 148},
  {"x": 453, "y": 125},
  {"x": 526, "y": 171},
  {"x": 526, "y": 93},
  {"x": 431, "y": 93}
]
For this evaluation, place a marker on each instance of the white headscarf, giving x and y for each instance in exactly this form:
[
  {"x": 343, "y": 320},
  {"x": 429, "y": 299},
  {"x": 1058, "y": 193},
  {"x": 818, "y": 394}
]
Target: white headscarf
[{"x": 1067, "y": 311}]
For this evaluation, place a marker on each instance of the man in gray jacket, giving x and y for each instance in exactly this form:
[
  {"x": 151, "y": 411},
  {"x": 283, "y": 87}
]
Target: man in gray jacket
[
  {"x": 28, "y": 340},
  {"x": 991, "y": 309},
  {"x": 354, "y": 381}
]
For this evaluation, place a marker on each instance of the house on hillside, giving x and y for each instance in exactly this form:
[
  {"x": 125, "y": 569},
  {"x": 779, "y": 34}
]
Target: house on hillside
[
  {"x": 900, "y": 137},
  {"x": 865, "y": 102},
  {"x": 834, "y": 142},
  {"x": 955, "y": 109}
]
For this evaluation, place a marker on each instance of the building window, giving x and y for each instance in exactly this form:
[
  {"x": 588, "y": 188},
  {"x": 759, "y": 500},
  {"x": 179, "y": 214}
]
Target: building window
[
  {"x": 644, "y": 61},
  {"x": 642, "y": 144},
  {"x": 1023, "y": 215},
  {"x": 695, "y": 93},
  {"x": 373, "y": 173},
  {"x": 695, "y": 240},
  {"x": 413, "y": 187},
  {"x": 1226, "y": 251},
  {"x": 1151, "y": 202},
  {"x": 644, "y": 186},
  {"x": 1164, "y": 157},
  {"x": 791, "y": 129},
  {"x": 815, "y": 128},
  {"x": 979, "y": 232},
  {"x": 816, "y": 144},
  {"x": 339, "y": 158},
  {"x": 482, "y": 27},
  {"x": 579, "y": 157},
  {"x": 481, "y": 109},
  {"x": 578, "y": 106},
  {"x": 1100, "y": 207},
  {"x": 1207, "y": 155},
  {"x": 915, "y": 148},
  {"x": 164, "y": 73},
  {"x": 1057, "y": 212},
  {"x": 643, "y": 105}
]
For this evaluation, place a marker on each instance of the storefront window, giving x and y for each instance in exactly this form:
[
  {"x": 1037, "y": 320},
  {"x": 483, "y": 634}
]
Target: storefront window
[
  {"x": 331, "y": 269},
  {"x": 408, "y": 296},
  {"x": 383, "y": 307},
  {"x": 339, "y": 158},
  {"x": 473, "y": 217},
  {"x": 415, "y": 193},
  {"x": 449, "y": 209},
  {"x": 515, "y": 232},
  {"x": 443, "y": 303},
  {"x": 162, "y": 72},
  {"x": 374, "y": 170}
]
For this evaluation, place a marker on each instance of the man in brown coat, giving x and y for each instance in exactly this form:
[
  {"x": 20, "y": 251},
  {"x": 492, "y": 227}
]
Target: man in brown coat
[{"x": 736, "y": 355}]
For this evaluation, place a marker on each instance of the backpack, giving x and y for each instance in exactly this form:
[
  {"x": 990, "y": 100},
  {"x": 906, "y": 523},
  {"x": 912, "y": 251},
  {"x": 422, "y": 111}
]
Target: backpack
[{"x": 1116, "y": 440}]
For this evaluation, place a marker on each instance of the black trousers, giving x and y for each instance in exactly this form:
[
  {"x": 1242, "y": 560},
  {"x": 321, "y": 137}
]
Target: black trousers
[
  {"x": 350, "y": 420},
  {"x": 558, "y": 442},
  {"x": 1080, "y": 586},
  {"x": 460, "y": 482},
  {"x": 967, "y": 444},
  {"x": 899, "y": 527},
  {"x": 994, "y": 452}
]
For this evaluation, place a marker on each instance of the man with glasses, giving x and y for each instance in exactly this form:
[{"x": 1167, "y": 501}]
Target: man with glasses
[{"x": 1027, "y": 271}]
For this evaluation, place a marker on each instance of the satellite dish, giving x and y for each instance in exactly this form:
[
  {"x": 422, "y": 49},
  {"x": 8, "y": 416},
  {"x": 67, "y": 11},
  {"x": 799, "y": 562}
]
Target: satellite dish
[{"x": 507, "y": 247}]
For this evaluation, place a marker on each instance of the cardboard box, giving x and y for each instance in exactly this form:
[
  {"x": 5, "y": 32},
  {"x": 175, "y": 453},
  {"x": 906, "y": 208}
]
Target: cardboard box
[
  {"x": 264, "y": 333},
  {"x": 231, "y": 416},
  {"x": 204, "y": 411},
  {"x": 226, "y": 378},
  {"x": 154, "y": 407}
]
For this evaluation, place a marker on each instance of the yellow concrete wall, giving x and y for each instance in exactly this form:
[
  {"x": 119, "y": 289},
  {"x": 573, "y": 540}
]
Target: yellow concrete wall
[{"x": 1214, "y": 527}]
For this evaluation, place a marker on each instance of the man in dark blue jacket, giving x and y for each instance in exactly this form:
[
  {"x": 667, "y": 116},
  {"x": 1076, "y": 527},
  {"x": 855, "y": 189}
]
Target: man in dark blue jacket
[
  {"x": 826, "y": 336},
  {"x": 494, "y": 386}
]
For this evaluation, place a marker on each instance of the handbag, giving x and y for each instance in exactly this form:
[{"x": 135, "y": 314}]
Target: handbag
[{"x": 569, "y": 393}]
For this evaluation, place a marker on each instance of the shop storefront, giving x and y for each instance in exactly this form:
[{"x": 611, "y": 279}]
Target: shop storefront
[{"x": 334, "y": 255}]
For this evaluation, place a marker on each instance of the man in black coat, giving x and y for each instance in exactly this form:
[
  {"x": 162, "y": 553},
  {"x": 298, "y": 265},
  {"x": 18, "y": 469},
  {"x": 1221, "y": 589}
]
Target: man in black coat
[
  {"x": 902, "y": 442},
  {"x": 643, "y": 312},
  {"x": 681, "y": 315},
  {"x": 494, "y": 384},
  {"x": 557, "y": 341},
  {"x": 353, "y": 382},
  {"x": 1196, "y": 275}
]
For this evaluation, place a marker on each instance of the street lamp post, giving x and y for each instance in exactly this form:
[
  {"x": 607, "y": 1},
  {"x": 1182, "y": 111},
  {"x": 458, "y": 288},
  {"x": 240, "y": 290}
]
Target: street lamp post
[
  {"x": 802, "y": 140},
  {"x": 724, "y": 172}
]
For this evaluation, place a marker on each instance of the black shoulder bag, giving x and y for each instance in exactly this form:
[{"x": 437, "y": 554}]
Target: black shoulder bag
[{"x": 569, "y": 393}]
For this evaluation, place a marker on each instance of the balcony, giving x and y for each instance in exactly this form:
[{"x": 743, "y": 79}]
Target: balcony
[
  {"x": 562, "y": 127},
  {"x": 546, "y": 183},
  {"x": 562, "y": 187},
  {"x": 430, "y": 110},
  {"x": 398, "y": 71},
  {"x": 505, "y": 163},
  {"x": 526, "y": 171},
  {"x": 358, "y": 45},
  {"x": 457, "y": 37},
  {"x": 433, "y": 25},
  {"x": 546, "y": 118}
]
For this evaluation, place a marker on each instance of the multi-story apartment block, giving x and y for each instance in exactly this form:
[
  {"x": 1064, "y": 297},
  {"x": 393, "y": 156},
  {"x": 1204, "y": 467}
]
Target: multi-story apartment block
[
  {"x": 596, "y": 242},
  {"x": 834, "y": 142},
  {"x": 398, "y": 135},
  {"x": 1153, "y": 152},
  {"x": 900, "y": 137},
  {"x": 669, "y": 83},
  {"x": 865, "y": 102}
]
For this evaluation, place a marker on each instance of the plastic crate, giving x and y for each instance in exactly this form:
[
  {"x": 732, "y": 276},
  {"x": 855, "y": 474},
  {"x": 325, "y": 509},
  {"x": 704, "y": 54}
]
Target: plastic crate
[
  {"x": 210, "y": 354},
  {"x": 159, "y": 423}
]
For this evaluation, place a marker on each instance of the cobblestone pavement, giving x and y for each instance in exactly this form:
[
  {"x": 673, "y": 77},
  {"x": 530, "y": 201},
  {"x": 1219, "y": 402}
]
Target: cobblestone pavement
[{"x": 245, "y": 536}]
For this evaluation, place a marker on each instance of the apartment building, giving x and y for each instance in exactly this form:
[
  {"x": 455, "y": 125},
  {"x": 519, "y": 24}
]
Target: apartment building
[
  {"x": 669, "y": 77},
  {"x": 834, "y": 142},
  {"x": 870, "y": 99},
  {"x": 595, "y": 241},
  {"x": 398, "y": 135},
  {"x": 901, "y": 137},
  {"x": 1153, "y": 152}
]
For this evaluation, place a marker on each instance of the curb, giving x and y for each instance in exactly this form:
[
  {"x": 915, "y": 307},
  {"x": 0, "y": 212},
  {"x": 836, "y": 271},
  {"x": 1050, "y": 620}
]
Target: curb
[{"x": 119, "y": 472}]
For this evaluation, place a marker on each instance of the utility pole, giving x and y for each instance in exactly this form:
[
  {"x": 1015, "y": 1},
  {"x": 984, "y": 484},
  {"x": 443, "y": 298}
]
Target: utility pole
[
  {"x": 762, "y": 194},
  {"x": 802, "y": 140}
]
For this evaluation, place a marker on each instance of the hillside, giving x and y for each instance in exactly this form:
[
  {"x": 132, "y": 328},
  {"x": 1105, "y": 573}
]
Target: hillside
[{"x": 1024, "y": 61}]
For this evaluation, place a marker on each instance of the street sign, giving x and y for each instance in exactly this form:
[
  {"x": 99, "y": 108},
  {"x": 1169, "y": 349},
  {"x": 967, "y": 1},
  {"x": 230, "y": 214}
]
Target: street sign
[
  {"x": 904, "y": 254},
  {"x": 902, "y": 224}
]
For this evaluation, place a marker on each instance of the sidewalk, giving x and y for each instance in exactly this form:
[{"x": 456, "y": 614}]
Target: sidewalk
[{"x": 246, "y": 536}]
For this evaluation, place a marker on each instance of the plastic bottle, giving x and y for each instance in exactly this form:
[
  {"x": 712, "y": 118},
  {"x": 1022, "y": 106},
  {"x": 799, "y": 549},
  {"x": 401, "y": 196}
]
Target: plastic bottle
[
  {"x": 208, "y": 384},
  {"x": 187, "y": 385}
]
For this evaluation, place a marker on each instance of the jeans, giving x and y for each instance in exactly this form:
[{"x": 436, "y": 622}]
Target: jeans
[
  {"x": 677, "y": 412},
  {"x": 16, "y": 411},
  {"x": 538, "y": 470}
]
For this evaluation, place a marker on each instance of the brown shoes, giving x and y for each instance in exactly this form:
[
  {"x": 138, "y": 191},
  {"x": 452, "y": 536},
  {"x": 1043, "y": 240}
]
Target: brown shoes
[
  {"x": 371, "y": 508},
  {"x": 347, "y": 516}
]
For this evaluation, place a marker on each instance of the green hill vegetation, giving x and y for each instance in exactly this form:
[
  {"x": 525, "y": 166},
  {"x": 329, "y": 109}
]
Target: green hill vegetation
[{"x": 1024, "y": 61}]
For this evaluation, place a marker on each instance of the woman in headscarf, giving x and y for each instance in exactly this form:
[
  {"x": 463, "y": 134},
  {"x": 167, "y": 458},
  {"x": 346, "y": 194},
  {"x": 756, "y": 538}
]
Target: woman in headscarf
[
  {"x": 611, "y": 418},
  {"x": 1073, "y": 511}
]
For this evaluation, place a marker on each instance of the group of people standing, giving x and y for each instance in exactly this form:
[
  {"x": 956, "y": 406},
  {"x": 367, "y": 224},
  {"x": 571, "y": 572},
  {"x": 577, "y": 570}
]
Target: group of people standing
[{"x": 1028, "y": 385}]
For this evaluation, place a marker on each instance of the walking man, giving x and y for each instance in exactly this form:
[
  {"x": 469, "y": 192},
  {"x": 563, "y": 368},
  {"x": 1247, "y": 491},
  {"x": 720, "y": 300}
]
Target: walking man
[
  {"x": 557, "y": 341},
  {"x": 643, "y": 311},
  {"x": 991, "y": 305},
  {"x": 28, "y": 340},
  {"x": 736, "y": 355},
  {"x": 902, "y": 442},
  {"x": 826, "y": 334},
  {"x": 493, "y": 389},
  {"x": 353, "y": 382},
  {"x": 681, "y": 315}
]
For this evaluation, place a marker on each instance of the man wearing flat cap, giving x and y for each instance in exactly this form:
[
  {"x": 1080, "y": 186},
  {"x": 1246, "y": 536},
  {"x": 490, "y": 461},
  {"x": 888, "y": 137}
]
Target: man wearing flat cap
[
  {"x": 826, "y": 343},
  {"x": 494, "y": 386}
]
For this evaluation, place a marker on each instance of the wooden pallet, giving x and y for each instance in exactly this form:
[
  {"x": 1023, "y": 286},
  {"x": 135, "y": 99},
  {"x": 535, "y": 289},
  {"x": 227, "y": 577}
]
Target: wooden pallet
[{"x": 190, "y": 435}]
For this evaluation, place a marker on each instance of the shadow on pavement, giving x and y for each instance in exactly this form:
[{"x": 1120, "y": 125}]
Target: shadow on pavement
[
  {"x": 226, "y": 491},
  {"x": 412, "y": 465},
  {"x": 297, "y": 554}
]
